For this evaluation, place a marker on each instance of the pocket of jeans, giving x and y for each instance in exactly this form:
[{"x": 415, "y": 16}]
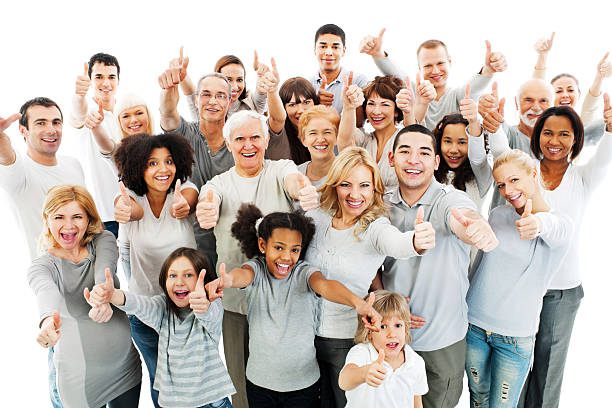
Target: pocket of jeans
[
  {"x": 523, "y": 347},
  {"x": 224, "y": 403}
]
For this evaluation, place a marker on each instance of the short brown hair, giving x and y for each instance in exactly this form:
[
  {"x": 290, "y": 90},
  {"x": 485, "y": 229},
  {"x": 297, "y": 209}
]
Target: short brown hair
[
  {"x": 386, "y": 87},
  {"x": 430, "y": 45},
  {"x": 318, "y": 111},
  {"x": 386, "y": 304}
]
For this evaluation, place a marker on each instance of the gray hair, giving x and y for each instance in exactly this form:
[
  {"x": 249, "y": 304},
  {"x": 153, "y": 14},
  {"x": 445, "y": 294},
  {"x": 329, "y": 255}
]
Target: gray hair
[
  {"x": 241, "y": 118},
  {"x": 216, "y": 75}
]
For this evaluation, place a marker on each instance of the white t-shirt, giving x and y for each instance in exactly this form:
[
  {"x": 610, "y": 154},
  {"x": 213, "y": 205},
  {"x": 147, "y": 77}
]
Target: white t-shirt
[
  {"x": 100, "y": 174},
  {"x": 28, "y": 182},
  {"x": 152, "y": 239},
  {"x": 399, "y": 387}
]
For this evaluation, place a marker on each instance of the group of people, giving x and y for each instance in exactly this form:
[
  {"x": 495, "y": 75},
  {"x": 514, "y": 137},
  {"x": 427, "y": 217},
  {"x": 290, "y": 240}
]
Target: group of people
[{"x": 328, "y": 229}]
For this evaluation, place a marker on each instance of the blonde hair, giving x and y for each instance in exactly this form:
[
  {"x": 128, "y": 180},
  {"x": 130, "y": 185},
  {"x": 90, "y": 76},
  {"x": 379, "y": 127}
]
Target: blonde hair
[
  {"x": 318, "y": 111},
  {"x": 386, "y": 304},
  {"x": 342, "y": 166},
  {"x": 61, "y": 195},
  {"x": 127, "y": 101},
  {"x": 515, "y": 156}
]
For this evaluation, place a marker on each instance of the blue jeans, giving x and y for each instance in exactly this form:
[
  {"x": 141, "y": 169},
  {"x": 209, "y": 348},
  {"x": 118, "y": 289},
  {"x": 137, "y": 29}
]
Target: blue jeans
[
  {"x": 496, "y": 367},
  {"x": 146, "y": 340},
  {"x": 53, "y": 393},
  {"x": 112, "y": 226},
  {"x": 224, "y": 403},
  {"x": 124, "y": 256}
]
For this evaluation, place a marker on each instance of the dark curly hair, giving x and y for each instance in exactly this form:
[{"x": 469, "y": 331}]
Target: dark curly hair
[
  {"x": 387, "y": 87},
  {"x": 199, "y": 262},
  {"x": 133, "y": 153},
  {"x": 243, "y": 229},
  {"x": 464, "y": 172}
]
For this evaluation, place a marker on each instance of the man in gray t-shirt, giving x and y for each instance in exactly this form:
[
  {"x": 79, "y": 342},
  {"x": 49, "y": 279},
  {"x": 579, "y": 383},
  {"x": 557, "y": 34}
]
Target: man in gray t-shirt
[{"x": 437, "y": 282}]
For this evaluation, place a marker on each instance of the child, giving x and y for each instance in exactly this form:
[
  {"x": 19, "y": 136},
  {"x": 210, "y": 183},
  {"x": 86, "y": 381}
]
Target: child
[
  {"x": 282, "y": 367},
  {"x": 382, "y": 370},
  {"x": 189, "y": 372}
]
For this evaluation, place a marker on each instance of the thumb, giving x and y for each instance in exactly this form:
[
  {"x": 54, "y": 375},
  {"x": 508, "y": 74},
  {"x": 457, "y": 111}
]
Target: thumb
[
  {"x": 200, "y": 282},
  {"x": 350, "y": 78},
  {"x": 345, "y": 83},
  {"x": 494, "y": 93},
  {"x": 100, "y": 109},
  {"x": 500, "y": 109},
  {"x": 407, "y": 82},
  {"x": 185, "y": 63},
  {"x": 371, "y": 298},
  {"x": 209, "y": 196},
  {"x": 56, "y": 320},
  {"x": 85, "y": 294},
  {"x": 255, "y": 61},
  {"x": 181, "y": 56},
  {"x": 552, "y": 37},
  {"x": 86, "y": 69},
  {"x": 381, "y": 356},
  {"x": 606, "y": 99},
  {"x": 418, "y": 78},
  {"x": 323, "y": 82},
  {"x": 380, "y": 35},
  {"x": 177, "y": 190},
  {"x": 604, "y": 58},
  {"x": 274, "y": 69},
  {"x": 460, "y": 217},
  {"x": 420, "y": 215},
  {"x": 488, "y": 44},
  {"x": 109, "y": 277},
  {"x": 124, "y": 193},
  {"x": 467, "y": 91},
  {"x": 302, "y": 181},
  {"x": 527, "y": 209}
]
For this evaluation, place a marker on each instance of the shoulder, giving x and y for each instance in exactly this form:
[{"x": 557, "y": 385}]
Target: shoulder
[{"x": 359, "y": 354}]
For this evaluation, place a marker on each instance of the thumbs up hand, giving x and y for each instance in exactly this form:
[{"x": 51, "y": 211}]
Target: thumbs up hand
[
  {"x": 494, "y": 61},
  {"x": 371, "y": 318},
  {"x": 5, "y": 123},
  {"x": 49, "y": 330},
  {"x": 352, "y": 95},
  {"x": 494, "y": 118},
  {"x": 325, "y": 97},
  {"x": 604, "y": 68},
  {"x": 269, "y": 81},
  {"x": 424, "y": 233},
  {"x": 307, "y": 193},
  {"x": 197, "y": 299},
  {"x": 95, "y": 117},
  {"x": 377, "y": 371},
  {"x": 372, "y": 45},
  {"x": 83, "y": 81},
  {"x": 176, "y": 72},
  {"x": 404, "y": 100},
  {"x": 477, "y": 231},
  {"x": 102, "y": 292},
  {"x": 425, "y": 90},
  {"x": 529, "y": 226},
  {"x": 123, "y": 206},
  {"x": 468, "y": 107},
  {"x": 180, "y": 207},
  {"x": 215, "y": 288},
  {"x": 607, "y": 112},
  {"x": 543, "y": 45},
  {"x": 207, "y": 211}
]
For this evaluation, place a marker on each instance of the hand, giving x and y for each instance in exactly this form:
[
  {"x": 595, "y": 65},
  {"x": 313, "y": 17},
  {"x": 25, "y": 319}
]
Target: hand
[
  {"x": 416, "y": 322},
  {"x": 543, "y": 45},
  {"x": 425, "y": 90},
  {"x": 372, "y": 45},
  {"x": 259, "y": 67},
  {"x": 123, "y": 207},
  {"x": 370, "y": 317},
  {"x": 215, "y": 288},
  {"x": 376, "y": 371},
  {"x": 604, "y": 68},
  {"x": 49, "y": 331},
  {"x": 95, "y": 118},
  {"x": 207, "y": 211},
  {"x": 83, "y": 81},
  {"x": 307, "y": 193},
  {"x": 101, "y": 313},
  {"x": 197, "y": 299},
  {"x": 494, "y": 61},
  {"x": 607, "y": 112},
  {"x": 177, "y": 72},
  {"x": 529, "y": 226},
  {"x": 468, "y": 107},
  {"x": 180, "y": 207},
  {"x": 479, "y": 231},
  {"x": 404, "y": 100},
  {"x": 352, "y": 95},
  {"x": 270, "y": 80},
  {"x": 488, "y": 102},
  {"x": 325, "y": 97},
  {"x": 494, "y": 118},
  {"x": 102, "y": 292},
  {"x": 5, "y": 123},
  {"x": 424, "y": 235}
]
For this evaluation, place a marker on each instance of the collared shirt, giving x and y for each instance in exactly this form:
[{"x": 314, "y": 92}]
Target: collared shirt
[
  {"x": 335, "y": 86},
  {"x": 436, "y": 282}
]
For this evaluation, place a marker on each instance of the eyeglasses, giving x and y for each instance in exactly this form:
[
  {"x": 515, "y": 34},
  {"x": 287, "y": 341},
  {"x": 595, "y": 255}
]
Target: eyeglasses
[{"x": 207, "y": 96}]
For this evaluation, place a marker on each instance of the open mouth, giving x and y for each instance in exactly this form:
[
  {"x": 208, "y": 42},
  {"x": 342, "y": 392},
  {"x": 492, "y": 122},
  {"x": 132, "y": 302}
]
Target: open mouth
[
  {"x": 282, "y": 268},
  {"x": 455, "y": 159},
  {"x": 248, "y": 155},
  {"x": 376, "y": 121},
  {"x": 565, "y": 102},
  {"x": 320, "y": 147},
  {"x": 68, "y": 237},
  {"x": 515, "y": 197},
  {"x": 554, "y": 150},
  {"x": 49, "y": 140},
  {"x": 181, "y": 294},
  {"x": 392, "y": 345},
  {"x": 135, "y": 128},
  {"x": 413, "y": 172},
  {"x": 355, "y": 203}
]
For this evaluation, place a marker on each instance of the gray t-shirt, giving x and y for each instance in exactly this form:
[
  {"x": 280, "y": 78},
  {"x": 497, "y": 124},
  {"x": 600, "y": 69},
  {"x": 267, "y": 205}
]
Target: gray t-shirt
[
  {"x": 95, "y": 362},
  {"x": 506, "y": 291},
  {"x": 437, "y": 281},
  {"x": 302, "y": 169},
  {"x": 281, "y": 315}
]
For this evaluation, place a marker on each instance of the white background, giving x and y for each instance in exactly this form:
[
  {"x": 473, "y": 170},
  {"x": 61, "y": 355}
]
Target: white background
[{"x": 44, "y": 45}]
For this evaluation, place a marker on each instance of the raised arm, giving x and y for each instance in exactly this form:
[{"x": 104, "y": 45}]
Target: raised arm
[
  {"x": 169, "y": 97},
  {"x": 404, "y": 100},
  {"x": 589, "y": 105},
  {"x": 594, "y": 172},
  {"x": 372, "y": 46},
  {"x": 352, "y": 99},
  {"x": 7, "y": 153},
  {"x": 494, "y": 62},
  {"x": 93, "y": 121},
  {"x": 126, "y": 209},
  {"x": 79, "y": 102},
  {"x": 472, "y": 229},
  {"x": 186, "y": 85},
  {"x": 269, "y": 83},
  {"x": 299, "y": 187},
  {"x": 542, "y": 47},
  {"x": 236, "y": 278}
]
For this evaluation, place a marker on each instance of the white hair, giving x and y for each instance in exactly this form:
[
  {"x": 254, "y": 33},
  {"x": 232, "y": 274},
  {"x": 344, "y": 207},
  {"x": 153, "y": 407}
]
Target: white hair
[{"x": 241, "y": 118}]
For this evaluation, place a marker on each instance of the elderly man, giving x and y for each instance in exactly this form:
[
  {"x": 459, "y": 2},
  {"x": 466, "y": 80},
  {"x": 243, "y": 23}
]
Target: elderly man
[{"x": 271, "y": 186}]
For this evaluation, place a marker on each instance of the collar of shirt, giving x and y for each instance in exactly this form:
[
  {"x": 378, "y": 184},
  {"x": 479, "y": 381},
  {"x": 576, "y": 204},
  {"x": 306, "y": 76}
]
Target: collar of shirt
[
  {"x": 408, "y": 360},
  {"x": 336, "y": 81},
  {"x": 395, "y": 197}
]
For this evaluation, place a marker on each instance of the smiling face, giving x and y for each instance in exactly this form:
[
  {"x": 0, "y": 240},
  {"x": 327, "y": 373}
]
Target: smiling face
[
  {"x": 380, "y": 112},
  {"x": 319, "y": 137},
  {"x": 248, "y": 146},
  {"x": 414, "y": 160},
  {"x": 282, "y": 251},
  {"x": 454, "y": 145},
  {"x": 515, "y": 183},
  {"x": 391, "y": 337},
  {"x": 566, "y": 91},
  {"x": 534, "y": 98},
  {"x": 160, "y": 171},
  {"x": 104, "y": 79},
  {"x": 295, "y": 109},
  {"x": 557, "y": 138},
  {"x": 43, "y": 135},
  {"x": 435, "y": 65},
  {"x": 356, "y": 192},
  {"x": 213, "y": 99},
  {"x": 329, "y": 50},
  {"x": 181, "y": 280},
  {"x": 68, "y": 225},
  {"x": 235, "y": 76},
  {"x": 134, "y": 120}
]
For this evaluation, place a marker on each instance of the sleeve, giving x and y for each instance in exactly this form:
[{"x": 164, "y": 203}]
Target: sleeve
[
  {"x": 388, "y": 67},
  {"x": 358, "y": 355},
  {"x": 498, "y": 142},
  {"x": 13, "y": 177},
  {"x": 258, "y": 101},
  {"x": 593, "y": 173},
  {"x": 453, "y": 199},
  {"x": 556, "y": 228},
  {"x": 188, "y": 185},
  {"x": 479, "y": 163},
  {"x": 193, "y": 109},
  {"x": 478, "y": 83},
  {"x": 361, "y": 80},
  {"x": 420, "y": 379},
  {"x": 149, "y": 309},
  {"x": 256, "y": 266},
  {"x": 360, "y": 137},
  {"x": 593, "y": 132},
  {"x": 589, "y": 108},
  {"x": 106, "y": 252},
  {"x": 211, "y": 320},
  {"x": 276, "y": 140},
  {"x": 388, "y": 240},
  {"x": 40, "y": 278}
]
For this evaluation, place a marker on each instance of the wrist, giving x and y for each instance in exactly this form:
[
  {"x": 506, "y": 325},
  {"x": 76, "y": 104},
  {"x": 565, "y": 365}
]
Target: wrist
[
  {"x": 487, "y": 71},
  {"x": 379, "y": 55}
]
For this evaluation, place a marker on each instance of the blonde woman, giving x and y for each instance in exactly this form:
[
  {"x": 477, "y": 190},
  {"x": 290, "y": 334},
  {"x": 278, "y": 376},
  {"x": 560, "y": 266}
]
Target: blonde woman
[
  {"x": 96, "y": 363},
  {"x": 352, "y": 238}
]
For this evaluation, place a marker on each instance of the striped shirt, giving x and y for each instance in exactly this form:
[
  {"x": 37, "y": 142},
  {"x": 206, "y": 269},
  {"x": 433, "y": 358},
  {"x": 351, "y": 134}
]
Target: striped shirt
[{"x": 190, "y": 372}]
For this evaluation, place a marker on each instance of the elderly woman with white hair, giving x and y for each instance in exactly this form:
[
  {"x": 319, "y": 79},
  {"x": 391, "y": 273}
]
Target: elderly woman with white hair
[{"x": 271, "y": 186}]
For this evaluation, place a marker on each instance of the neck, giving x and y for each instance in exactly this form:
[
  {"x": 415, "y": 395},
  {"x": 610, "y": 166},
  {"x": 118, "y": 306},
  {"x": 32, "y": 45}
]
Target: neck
[
  {"x": 319, "y": 167},
  {"x": 330, "y": 76},
  {"x": 383, "y": 135},
  {"x": 213, "y": 132},
  {"x": 525, "y": 129},
  {"x": 342, "y": 221},
  {"x": 252, "y": 172},
  {"x": 40, "y": 158},
  {"x": 440, "y": 91},
  {"x": 553, "y": 167},
  {"x": 412, "y": 195},
  {"x": 156, "y": 198},
  {"x": 73, "y": 255}
]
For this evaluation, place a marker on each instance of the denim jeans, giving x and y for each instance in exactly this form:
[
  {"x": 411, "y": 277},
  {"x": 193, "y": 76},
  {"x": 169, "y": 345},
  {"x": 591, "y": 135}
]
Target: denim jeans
[
  {"x": 224, "y": 403},
  {"x": 496, "y": 367},
  {"x": 146, "y": 340},
  {"x": 124, "y": 256},
  {"x": 112, "y": 226},
  {"x": 53, "y": 393}
]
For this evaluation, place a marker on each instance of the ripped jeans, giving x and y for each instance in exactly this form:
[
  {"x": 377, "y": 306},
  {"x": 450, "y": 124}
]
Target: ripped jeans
[{"x": 496, "y": 367}]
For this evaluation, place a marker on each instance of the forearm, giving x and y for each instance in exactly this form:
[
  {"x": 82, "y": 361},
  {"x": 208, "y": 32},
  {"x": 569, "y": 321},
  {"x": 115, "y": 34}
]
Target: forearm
[
  {"x": 420, "y": 110},
  {"x": 103, "y": 139},
  {"x": 352, "y": 376},
  {"x": 79, "y": 111},
  {"x": 277, "y": 112},
  {"x": 240, "y": 278},
  {"x": 7, "y": 154},
  {"x": 346, "y": 129},
  {"x": 499, "y": 142},
  {"x": 118, "y": 298},
  {"x": 169, "y": 116},
  {"x": 187, "y": 86},
  {"x": 539, "y": 71}
]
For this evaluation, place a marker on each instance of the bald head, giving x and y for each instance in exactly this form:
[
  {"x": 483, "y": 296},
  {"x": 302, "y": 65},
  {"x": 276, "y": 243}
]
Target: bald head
[{"x": 533, "y": 98}]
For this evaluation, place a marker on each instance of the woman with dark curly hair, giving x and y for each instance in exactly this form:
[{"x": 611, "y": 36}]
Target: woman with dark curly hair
[{"x": 157, "y": 220}]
